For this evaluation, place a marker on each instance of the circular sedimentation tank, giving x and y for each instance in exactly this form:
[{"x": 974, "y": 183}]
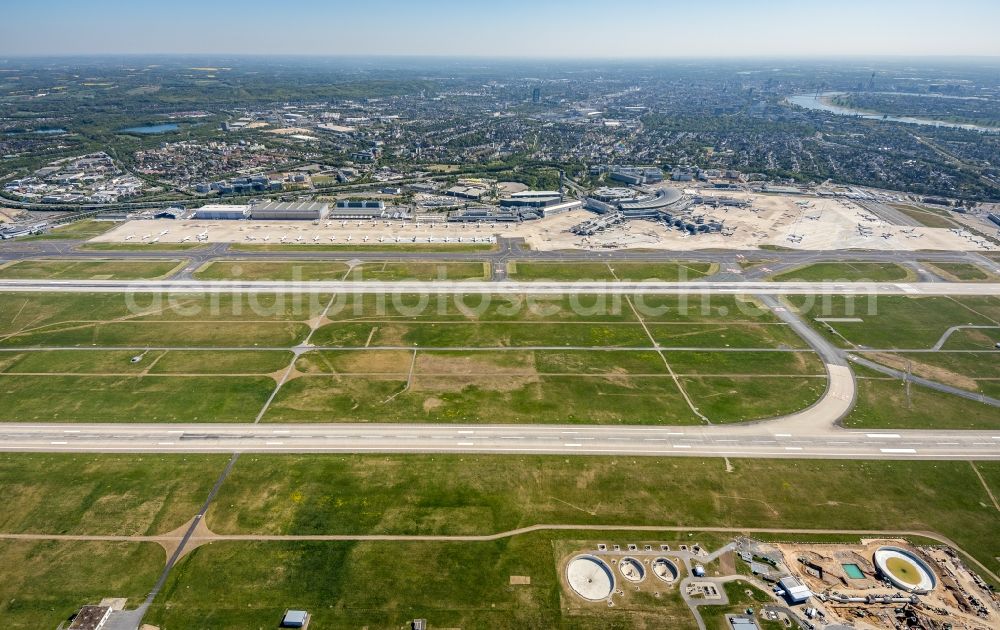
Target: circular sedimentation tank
[
  {"x": 631, "y": 569},
  {"x": 590, "y": 578},
  {"x": 904, "y": 569},
  {"x": 665, "y": 570}
]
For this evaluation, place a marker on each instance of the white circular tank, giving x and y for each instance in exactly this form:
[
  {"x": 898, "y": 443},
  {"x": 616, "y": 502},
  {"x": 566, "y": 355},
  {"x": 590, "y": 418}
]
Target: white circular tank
[
  {"x": 631, "y": 569},
  {"x": 666, "y": 570},
  {"x": 590, "y": 578},
  {"x": 904, "y": 569}
]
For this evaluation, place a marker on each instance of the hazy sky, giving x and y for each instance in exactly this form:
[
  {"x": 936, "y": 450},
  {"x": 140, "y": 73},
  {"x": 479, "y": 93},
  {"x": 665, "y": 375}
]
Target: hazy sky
[{"x": 503, "y": 28}]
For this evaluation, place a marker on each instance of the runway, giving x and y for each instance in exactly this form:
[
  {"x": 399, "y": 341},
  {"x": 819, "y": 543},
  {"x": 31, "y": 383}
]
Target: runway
[
  {"x": 761, "y": 440},
  {"x": 507, "y": 287}
]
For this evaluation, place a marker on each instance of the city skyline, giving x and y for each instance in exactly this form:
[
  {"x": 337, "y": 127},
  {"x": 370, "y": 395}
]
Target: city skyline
[{"x": 518, "y": 29}]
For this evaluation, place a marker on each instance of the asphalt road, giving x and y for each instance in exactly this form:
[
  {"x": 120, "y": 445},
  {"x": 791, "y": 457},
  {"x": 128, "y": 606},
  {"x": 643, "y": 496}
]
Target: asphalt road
[{"x": 766, "y": 439}]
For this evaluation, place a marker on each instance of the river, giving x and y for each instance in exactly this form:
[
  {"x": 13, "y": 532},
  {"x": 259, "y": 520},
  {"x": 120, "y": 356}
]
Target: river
[{"x": 810, "y": 101}]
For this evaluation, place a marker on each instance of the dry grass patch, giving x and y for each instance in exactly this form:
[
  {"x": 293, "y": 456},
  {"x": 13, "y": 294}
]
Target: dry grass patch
[{"x": 923, "y": 370}]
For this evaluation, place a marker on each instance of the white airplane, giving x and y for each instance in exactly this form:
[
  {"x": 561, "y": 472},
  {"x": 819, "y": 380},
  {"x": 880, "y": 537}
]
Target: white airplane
[
  {"x": 250, "y": 237},
  {"x": 145, "y": 236},
  {"x": 164, "y": 232},
  {"x": 414, "y": 239},
  {"x": 343, "y": 224},
  {"x": 381, "y": 239},
  {"x": 328, "y": 223},
  {"x": 283, "y": 237},
  {"x": 203, "y": 234},
  {"x": 266, "y": 238},
  {"x": 366, "y": 238},
  {"x": 298, "y": 239},
  {"x": 349, "y": 237},
  {"x": 130, "y": 237},
  {"x": 316, "y": 238},
  {"x": 185, "y": 239},
  {"x": 459, "y": 239},
  {"x": 447, "y": 239},
  {"x": 155, "y": 240},
  {"x": 397, "y": 239}
]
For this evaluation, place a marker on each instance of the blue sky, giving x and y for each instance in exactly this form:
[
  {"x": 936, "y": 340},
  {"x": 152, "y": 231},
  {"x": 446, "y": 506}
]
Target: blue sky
[{"x": 503, "y": 28}]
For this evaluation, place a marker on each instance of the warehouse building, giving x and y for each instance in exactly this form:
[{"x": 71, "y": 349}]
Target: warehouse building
[
  {"x": 795, "y": 591},
  {"x": 221, "y": 212},
  {"x": 290, "y": 211}
]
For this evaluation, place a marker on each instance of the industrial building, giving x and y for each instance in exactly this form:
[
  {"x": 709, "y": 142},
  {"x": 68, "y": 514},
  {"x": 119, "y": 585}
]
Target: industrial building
[
  {"x": 295, "y": 619},
  {"x": 743, "y": 623},
  {"x": 544, "y": 202},
  {"x": 290, "y": 211},
  {"x": 91, "y": 618},
  {"x": 489, "y": 214},
  {"x": 795, "y": 591},
  {"x": 636, "y": 176},
  {"x": 994, "y": 218},
  {"x": 607, "y": 200},
  {"x": 221, "y": 212},
  {"x": 473, "y": 193},
  {"x": 617, "y": 205},
  {"x": 369, "y": 209}
]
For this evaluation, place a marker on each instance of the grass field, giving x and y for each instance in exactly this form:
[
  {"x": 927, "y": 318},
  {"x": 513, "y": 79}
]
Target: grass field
[
  {"x": 55, "y": 269},
  {"x": 927, "y": 218},
  {"x": 133, "y": 398},
  {"x": 973, "y": 371},
  {"x": 742, "y": 595},
  {"x": 962, "y": 272},
  {"x": 884, "y": 402},
  {"x": 76, "y": 230},
  {"x": 118, "y": 362},
  {"x": 46, "y": 582},
  {"x": 104, "y": 494},
  {"x": 627, "y": 386},
  {"x": 478, "y": 375},
  {"x": 895, "y": 321},
  {"x": 462, "y": 583},
  {"x": 372, "y": 585},
  {"x": 331, "y": 270},
  {"x": 475, "y": 494},
  {"x": 666, "y": 271},
  {"x": 849, "y": 272},
  {"x": 973, "y": 339}
]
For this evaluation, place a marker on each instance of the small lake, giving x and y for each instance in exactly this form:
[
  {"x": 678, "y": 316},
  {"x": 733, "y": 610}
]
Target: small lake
[
  {"x": 822, "y": 103},
  {"x": 49, "y": 131},
  {"x": 152, "y": 129}
]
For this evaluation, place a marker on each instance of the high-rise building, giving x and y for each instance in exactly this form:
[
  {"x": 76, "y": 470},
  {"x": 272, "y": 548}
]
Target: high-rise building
[{"x": 536, "y": 95}]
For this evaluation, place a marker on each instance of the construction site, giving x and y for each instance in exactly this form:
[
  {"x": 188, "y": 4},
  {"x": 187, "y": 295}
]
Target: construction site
[{"x": 877, "y": 583}]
